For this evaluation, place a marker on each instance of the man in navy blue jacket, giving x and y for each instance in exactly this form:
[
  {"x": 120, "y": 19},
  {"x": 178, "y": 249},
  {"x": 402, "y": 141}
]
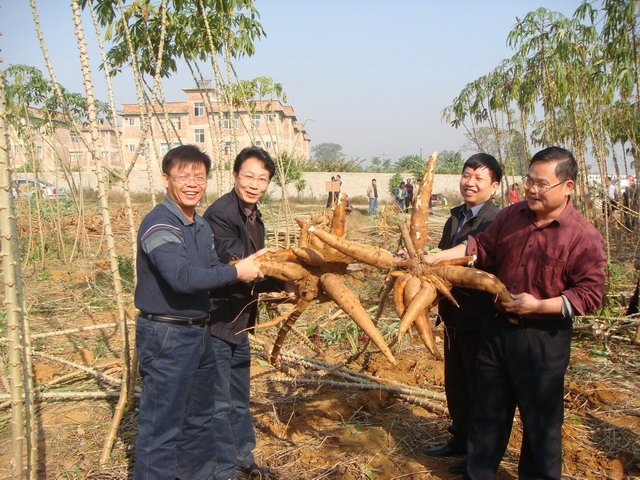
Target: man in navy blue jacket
[
  {"x": 239, "y": 232},
  {"x": 177, "y": 265}
]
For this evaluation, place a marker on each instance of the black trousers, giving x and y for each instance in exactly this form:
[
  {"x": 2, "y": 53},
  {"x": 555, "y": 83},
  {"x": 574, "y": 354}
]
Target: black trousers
[
  {"x": 523, "y": 367},
  {"x": 460, "y": 352}
]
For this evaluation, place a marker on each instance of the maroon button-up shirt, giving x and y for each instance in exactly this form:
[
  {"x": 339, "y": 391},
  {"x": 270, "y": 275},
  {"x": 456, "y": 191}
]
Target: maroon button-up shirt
[{"x": 563, "y": 257}]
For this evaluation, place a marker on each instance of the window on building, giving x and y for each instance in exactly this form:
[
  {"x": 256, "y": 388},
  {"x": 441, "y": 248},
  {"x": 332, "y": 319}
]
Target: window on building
[
  {"x": 258, "y": 143},
  {"x": 256, "y": 120},
  {"x": 269, "y": 145},
  {"x": 164, "y": 148},
  {"x": 175, "y": 121},
  {"x": 226, "y": 121},
  {"x": 131, "y": 147},
  {"x": 132, "y": 121},
  {"x": 75, "y": 157},
  {"x": 198, "y": 135},
  {"x": 227, "y": 148},
  {"x": 198, "y": 109},
  {"x": 75, "y": 138},
  {"x": 269, "y": 117},
  {"x": 143, "y": 151}
]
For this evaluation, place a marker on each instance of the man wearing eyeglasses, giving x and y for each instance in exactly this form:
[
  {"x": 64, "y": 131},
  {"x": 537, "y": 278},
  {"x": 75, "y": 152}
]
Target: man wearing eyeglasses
[
  {"x": 238, "y": 232},
  {"x": 552, "y": 261},
  {"x": 177, "y": 265}
]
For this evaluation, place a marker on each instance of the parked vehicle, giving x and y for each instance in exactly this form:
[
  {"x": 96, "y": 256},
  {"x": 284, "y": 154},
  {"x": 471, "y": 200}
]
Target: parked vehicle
[
  {"x": 438, "y": 199},
  {"x": 27, "y": 187}
]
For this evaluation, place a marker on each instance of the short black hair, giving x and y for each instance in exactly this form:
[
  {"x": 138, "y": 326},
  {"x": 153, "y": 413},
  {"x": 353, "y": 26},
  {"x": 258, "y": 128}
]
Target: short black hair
[
  {"x": 485, "y": 160},
  {"x": 257, "y": 153},
  {"x": 185, "y": 154},
  {"x": 567, "y": 167},
  {"x": 402, "y": 183},
  {"x": 373, "y": 180}
]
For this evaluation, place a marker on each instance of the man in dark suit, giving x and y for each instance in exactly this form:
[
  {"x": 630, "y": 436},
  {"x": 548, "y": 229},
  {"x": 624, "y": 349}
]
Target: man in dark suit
[
  {"x": 480, "y": 179},
  {"x": 238, "y": 232}
]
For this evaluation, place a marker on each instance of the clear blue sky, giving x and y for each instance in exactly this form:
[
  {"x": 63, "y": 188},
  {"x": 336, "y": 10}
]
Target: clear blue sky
[{"x": 372, "y": 76}]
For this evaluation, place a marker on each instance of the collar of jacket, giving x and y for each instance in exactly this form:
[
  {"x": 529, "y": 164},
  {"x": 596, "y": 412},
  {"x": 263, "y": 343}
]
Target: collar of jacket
[{"x": 240, "y": 206}]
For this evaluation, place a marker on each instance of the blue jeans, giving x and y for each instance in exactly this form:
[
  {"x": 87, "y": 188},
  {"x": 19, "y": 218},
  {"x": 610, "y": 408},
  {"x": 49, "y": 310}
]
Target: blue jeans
[
  {"x": 233, "y": 426},
  {"x": 373, "y": 206},
  {"x": 175, "y": 427}
]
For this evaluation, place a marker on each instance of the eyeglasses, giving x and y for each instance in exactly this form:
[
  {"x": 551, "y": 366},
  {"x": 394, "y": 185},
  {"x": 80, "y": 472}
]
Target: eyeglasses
[
  {"x": 248, "y": 179},
  {"x": 539, "y": 187},
  {"x": 185, "y": 180}
]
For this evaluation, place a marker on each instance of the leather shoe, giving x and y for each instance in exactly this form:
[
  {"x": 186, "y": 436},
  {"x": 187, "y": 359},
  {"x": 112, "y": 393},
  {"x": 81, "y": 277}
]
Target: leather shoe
[
  {"x": 459, "y": 468},
  {"x": 254, "y": 472},
  {"x": 446, "y": 450}
]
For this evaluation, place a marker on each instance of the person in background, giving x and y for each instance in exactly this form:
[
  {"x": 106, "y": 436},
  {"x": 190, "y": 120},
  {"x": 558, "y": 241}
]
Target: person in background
[
  {"x": 514, "y": 196},
  {"x": 239, "y": 232},
  {"x": 481, "y": 175},
  {"x": 330, "y": 195},
  {"x": 630, "y": 201},
  {"x": 552, "y": 261},
  {"x": 400, "y": 194},
  {"x": 177, "y": 265},
  {"x": 372, "y": 194},
  {"x": 610, "y": 201},
  {"x": 407, "y": 201}
]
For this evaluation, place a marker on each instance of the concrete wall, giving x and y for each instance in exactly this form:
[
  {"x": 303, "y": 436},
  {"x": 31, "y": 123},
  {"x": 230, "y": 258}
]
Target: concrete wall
[{"x": 353, "y": 184}]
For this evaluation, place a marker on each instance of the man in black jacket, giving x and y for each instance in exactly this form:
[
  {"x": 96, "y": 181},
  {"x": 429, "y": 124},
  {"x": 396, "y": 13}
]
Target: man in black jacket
[
  {"x": 480, "y": 179},
  {"x": 238, "y": 232}
]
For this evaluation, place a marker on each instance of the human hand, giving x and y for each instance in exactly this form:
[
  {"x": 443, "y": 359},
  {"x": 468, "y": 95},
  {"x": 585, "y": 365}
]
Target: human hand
[
  {"x": 523, "y": 304},
  {"x": 247, "y": 270}
]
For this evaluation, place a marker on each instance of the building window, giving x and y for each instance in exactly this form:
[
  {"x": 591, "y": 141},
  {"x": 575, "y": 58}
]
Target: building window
[
  {"x": 236, "y": 117},
  {"x": 198, "y": 109},
  {"x": 132, "y": 147},
  {"x": 227, "y": 121},
  {"x": 258, "y": 143},
  {"x": 164, "y": 148},
  {"x": 269, "y": 118},
  {"x": 256, "y": 120},
  {"x": 75, "y": 157},
  {"x": 143, "y": 151},
  {"x": 199, "y": 135},
  {"x": 132, "y": 121},
  {"x": 176, "y": 123},
  {"x": 75, "y": 138},
  {"x": 227, "y": 148},
  {"x": 269, "y": 145}
]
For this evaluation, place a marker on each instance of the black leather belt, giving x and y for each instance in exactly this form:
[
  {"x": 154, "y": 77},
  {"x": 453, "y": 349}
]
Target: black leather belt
[{"x": 176, "y": 320}]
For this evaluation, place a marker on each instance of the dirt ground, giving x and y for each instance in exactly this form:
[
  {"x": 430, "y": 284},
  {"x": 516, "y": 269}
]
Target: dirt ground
[{"x": 315, "y": 420}]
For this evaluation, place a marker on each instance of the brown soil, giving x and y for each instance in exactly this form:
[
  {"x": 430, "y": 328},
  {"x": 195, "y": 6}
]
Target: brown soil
[{"x": 314, "y": 430}]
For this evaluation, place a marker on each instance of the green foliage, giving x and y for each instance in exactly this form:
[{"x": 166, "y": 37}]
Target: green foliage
[
  {"x": 289, "y": 169},
  {"x": 449, "y": 162},
  {"x": 125, "y": 267},
  {"x": 394, "y": 182}
]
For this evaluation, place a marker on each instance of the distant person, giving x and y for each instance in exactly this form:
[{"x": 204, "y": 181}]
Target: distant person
[
  {"x": 514, "y": 195},
  {"x": 407, "y": 201},
  {"x": 330, "y": 194},
  {"x": 611, "y": 200},
  {"x": 336, "y": 194},
  {"x": 400, "y": 194},
  {"x": 630, "y": 201},
  {"x": 372, "y": 193}
]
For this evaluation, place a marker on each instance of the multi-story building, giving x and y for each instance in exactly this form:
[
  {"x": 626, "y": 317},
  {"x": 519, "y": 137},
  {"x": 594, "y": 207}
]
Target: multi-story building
[{"x": 216, "y": 128}]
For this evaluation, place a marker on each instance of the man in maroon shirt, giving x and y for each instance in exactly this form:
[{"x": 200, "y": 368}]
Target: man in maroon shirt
[{"x": 552, "y": 261}]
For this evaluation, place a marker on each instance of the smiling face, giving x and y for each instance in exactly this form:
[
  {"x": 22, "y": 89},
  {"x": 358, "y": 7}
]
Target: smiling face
[
  {"x": 251, "y": 181},
  {"x": 547, "y": 203},
  {"x": 186, "y": 196},
  {"x": 477, "y": 186}
]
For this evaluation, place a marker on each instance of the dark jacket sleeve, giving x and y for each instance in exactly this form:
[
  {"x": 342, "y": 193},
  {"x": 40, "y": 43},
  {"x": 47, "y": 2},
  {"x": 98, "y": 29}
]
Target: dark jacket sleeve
[{"x": 474, "y": 305}]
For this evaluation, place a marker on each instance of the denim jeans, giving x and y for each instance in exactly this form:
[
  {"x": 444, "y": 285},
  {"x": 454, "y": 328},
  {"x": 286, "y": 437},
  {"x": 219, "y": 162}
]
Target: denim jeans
[
  {"x": 373, "y": 206},
  {"x": 175, "y": 427},
  {"x": 233, "y": 426}
]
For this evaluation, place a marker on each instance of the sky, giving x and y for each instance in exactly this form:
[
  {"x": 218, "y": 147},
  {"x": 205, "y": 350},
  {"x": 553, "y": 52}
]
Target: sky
[{"x": 370, "y": 75}]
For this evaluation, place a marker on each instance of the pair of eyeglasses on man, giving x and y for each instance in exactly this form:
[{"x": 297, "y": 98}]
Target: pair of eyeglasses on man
[
  {"x": 185, "y": 180},
  {"x": 248, "y": 179},
  {"x": 539, "y": 187}
]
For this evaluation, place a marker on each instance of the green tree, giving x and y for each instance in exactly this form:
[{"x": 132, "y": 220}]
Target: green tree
[
  {"x": 327, "y": 152},
  {"x": 290, "y": 168},
  {"x": 449, "y": 162}
]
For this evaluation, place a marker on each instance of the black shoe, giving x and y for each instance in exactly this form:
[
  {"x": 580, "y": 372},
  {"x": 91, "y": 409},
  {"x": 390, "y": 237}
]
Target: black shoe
[
  {"x": 446, "y": 450},
  {"x": 254, "y": 472},
  {"x": 459, "y": 468}
]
